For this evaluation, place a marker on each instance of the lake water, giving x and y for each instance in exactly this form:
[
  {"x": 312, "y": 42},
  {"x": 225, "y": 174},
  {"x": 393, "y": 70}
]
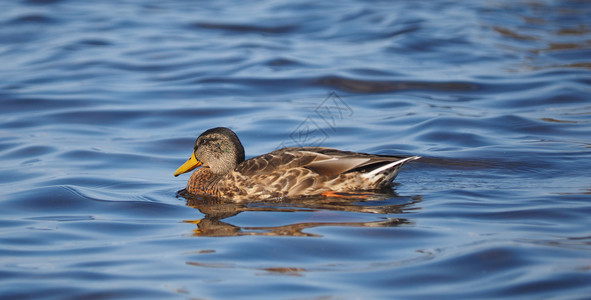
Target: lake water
[{"x": 100, "y": 101}]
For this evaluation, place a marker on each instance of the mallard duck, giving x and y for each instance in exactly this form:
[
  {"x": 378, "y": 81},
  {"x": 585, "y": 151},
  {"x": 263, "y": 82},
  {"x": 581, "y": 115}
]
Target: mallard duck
[{"x": 287, "y": 172}]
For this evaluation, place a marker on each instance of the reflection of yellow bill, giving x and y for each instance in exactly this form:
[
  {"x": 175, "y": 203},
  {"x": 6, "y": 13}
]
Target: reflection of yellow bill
[
  {"x": 189, "y": 165},
  {"x": 196, "y": 222}
]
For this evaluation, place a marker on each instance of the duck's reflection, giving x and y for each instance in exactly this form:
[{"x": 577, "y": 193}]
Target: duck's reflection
[{"x": 216, "y": 210}]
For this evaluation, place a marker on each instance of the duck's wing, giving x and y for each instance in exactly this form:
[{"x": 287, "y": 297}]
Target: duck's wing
[
  {"x": 370, "y": 165},
  {"x": 324, "y": 161}
]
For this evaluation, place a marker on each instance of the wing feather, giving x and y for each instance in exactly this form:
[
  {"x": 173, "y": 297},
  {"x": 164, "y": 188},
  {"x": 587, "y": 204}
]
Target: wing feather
[{"x": 324, "y": 161}]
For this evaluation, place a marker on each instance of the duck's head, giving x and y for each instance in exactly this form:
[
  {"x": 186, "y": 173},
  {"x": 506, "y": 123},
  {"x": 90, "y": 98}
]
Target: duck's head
[{"x": 218, "y": 149}]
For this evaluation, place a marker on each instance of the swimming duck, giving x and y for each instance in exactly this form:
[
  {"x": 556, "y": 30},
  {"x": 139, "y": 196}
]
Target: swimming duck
[{"x": 287, "y": 172}]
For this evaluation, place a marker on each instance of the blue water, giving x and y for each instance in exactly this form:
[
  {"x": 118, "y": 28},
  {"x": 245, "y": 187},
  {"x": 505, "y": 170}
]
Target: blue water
[{"x": 100, "y": 101}]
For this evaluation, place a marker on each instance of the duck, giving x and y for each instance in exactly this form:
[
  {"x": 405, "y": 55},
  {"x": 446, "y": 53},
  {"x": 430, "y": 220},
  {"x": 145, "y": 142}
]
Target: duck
[{"x": 284, "y": 173}]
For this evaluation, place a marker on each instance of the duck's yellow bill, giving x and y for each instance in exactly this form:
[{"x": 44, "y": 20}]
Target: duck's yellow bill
[{"x": 189, "y": 165}]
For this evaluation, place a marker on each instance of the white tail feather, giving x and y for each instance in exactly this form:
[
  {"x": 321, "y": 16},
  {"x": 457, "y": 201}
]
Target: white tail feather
[{"x": 389, "y": 166}]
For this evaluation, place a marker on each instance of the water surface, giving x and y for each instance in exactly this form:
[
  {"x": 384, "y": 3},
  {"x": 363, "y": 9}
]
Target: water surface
[{"x": 101, "y": 102}]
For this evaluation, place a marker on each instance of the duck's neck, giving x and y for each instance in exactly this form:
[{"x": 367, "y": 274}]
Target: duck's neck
[{"x": 203, "y": 181}]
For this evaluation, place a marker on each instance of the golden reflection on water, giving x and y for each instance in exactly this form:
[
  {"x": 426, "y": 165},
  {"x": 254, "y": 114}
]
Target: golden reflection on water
[
  {"x": 216, "y": 210},
  {"x": 287, "y": 271}
]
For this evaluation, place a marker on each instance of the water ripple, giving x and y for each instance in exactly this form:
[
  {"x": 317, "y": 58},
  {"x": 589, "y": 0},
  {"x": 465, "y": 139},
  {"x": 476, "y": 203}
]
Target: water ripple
[{"x": 101, "y": 102}]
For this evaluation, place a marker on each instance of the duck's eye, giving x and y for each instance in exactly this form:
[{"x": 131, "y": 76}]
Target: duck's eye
[{"x": 199, "y": 143}]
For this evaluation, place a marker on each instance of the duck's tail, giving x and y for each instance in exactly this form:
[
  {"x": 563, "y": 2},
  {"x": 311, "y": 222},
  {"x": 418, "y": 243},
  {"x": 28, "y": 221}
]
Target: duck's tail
[{"x": 384, "y": 173}]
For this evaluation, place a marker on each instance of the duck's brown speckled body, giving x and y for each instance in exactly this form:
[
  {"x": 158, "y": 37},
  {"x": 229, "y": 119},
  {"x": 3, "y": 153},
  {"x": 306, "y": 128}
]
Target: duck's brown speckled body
[{"x": 287, "y": 172}]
